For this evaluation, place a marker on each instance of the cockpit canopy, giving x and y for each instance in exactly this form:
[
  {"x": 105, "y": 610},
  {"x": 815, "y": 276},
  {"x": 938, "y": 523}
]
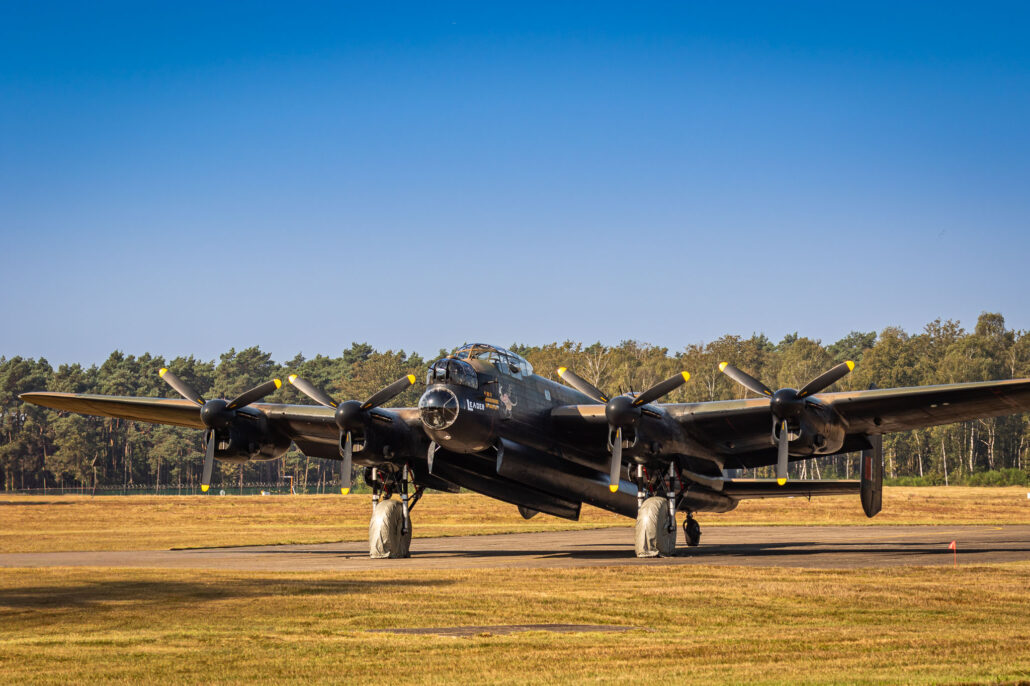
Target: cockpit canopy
[
  {"x": 449, "y": 370},
  {"x": 512, "y": 363}
]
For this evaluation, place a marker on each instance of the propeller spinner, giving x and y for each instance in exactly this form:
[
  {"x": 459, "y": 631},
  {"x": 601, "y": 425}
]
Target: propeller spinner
[
  {"x": 786, "y": 404},
  {"x": 622, "y": 411},
  {"x": 217, "y": 413},
  {"x": 350, "y": 416}
]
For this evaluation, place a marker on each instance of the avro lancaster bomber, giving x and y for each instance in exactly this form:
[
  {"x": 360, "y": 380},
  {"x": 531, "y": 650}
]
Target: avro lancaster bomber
[{"x": 487, "y": 423}]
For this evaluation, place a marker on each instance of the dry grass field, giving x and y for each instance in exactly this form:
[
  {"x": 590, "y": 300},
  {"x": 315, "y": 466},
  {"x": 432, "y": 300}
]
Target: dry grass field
[
  {"x": 693, "y": 624},
  {"x": 715, "y": 624},
  {"x": 36, "y": 523}
]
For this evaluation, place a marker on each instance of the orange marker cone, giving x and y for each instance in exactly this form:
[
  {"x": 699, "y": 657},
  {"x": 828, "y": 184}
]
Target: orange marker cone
[{"x": 954, "y": 549}]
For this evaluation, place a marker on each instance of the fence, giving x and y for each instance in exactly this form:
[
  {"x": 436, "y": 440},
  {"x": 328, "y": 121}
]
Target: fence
[{"x": 282, "y": 488}]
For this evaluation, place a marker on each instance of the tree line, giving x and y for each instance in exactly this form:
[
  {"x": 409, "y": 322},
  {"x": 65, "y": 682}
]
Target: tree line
[{"x": 44, "y": 448}]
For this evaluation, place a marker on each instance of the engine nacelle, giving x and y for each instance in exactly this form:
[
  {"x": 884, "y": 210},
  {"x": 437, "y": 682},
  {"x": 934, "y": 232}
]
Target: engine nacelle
[
  {"x": 821, "y": 431},
  {"x": 249, "y": 438}
]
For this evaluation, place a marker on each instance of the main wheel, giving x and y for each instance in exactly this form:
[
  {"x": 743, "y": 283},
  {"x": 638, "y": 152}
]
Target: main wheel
[
  {"x": 385, "y": 539},
  {"x": 653, "y": 536}
]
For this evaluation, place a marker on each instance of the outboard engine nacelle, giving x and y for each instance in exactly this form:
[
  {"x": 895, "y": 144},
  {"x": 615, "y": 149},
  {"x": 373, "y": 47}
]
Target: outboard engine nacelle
[{"x": 249, "y": 438}]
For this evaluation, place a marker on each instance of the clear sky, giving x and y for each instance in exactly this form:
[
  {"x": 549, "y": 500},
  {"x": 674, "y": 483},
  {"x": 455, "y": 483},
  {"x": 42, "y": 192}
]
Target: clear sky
[{"x": 184, "y": 178}]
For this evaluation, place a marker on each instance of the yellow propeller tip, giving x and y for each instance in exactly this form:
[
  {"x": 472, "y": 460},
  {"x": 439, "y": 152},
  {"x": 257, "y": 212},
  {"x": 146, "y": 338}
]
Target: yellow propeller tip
[
  {"x": 278, "y": 383},
  {"x": 411, "y": 378},
  {"x": 161, "y": 372},
  {"x": 685, "y": 375},
  {"x": 292, "y": 377},
  {"x": 781, "y": 482},
  {"x": 204, "y": 487},
  {"x": 851, "y": 365},
  {"x": 723, "y": 365},
  {"x": 344, "y": 491},
  {"x": 613, "y": 487}
]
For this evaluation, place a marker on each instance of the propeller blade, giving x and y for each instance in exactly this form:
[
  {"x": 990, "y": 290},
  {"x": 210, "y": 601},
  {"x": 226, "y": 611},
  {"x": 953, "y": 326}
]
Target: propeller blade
[
  {"x": 661, "y": 388},
  {"x": 254, "y": 394},
  {"x": 345, "y": 469},
  {"x": 782, "y": 454},
  {"x": 826, "y": 379},
  {"x": 209, "y": 461},
  {"x": 582, "y": 385},
  {"x": 180, "y": 386},
  {"x": 390, "y": 392},
  {"x": 746, "y": 380},
  {"x": 311, "y": 390},
  {"x": 616, "y": 468}
]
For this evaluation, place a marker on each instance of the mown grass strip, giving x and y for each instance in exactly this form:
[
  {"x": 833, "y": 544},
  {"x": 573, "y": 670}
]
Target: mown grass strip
[{"x": 710, "y": 624}]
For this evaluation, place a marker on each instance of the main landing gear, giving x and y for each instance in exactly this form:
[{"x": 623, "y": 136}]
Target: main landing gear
[
  {"x": 389, "y": 531},
  {"x": 656, "y": 514},
  {"x": 655, "y": 534}
]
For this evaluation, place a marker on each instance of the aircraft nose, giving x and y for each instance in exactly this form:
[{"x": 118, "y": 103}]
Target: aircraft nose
[{"x": 438, "y": 408}]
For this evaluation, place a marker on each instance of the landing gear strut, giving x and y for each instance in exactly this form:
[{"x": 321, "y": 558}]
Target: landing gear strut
[{"x": 389, "y": 531}]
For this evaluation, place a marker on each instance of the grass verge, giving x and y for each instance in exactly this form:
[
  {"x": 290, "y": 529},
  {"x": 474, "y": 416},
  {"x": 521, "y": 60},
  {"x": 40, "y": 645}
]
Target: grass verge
[{"x": 702, "y": 624}]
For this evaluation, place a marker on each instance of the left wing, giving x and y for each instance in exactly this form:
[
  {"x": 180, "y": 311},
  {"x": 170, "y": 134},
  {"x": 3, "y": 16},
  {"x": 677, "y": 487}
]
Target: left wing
[
  {"x": 732, "y": 427},
  {"x": 900, "y": 409}
]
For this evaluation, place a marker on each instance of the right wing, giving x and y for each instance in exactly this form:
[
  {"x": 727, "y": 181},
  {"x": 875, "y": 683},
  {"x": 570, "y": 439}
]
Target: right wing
[
  {"x": 177, "y": 412},
  {"x": 312, "y": 427}
]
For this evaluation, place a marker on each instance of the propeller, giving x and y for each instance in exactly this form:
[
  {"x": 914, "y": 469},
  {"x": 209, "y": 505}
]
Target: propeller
[
  {"x": 622, "y": 411},
  {"x": 350, "y": 415},
  {"x": 216, "y": 413},
  {"x": 786, "y": 404}
]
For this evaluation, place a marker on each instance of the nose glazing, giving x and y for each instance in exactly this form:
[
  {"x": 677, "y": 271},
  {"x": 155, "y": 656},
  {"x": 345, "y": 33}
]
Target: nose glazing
[{"x": 438, "y": 408}]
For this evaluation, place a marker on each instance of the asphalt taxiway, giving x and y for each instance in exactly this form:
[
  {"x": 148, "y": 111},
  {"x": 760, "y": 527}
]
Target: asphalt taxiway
[{"x": 826, "y": 547}]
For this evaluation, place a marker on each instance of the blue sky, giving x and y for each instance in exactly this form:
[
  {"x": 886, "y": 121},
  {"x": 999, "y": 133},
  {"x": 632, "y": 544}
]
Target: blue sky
[{"x": 182, "y": 179}]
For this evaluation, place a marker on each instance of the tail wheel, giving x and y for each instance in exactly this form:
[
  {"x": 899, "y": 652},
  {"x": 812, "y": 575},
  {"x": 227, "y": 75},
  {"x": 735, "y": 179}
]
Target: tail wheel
[{"x": 692, "y": 532}]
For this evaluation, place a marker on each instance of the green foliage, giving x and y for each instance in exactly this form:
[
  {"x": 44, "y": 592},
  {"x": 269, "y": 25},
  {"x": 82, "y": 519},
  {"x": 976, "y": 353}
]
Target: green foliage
[
  {"x": 39, "y": 447},
  {"x": 999, "y": 477}
]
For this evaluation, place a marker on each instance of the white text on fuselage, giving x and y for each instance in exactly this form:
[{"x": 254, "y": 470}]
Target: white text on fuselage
[{"x": 474, "y": 405}]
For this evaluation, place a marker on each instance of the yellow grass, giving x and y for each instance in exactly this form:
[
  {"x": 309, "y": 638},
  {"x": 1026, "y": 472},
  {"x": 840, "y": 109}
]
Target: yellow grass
[
  {"x": 36, "y": 523},
  {"x": 695, "y": 624}
]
